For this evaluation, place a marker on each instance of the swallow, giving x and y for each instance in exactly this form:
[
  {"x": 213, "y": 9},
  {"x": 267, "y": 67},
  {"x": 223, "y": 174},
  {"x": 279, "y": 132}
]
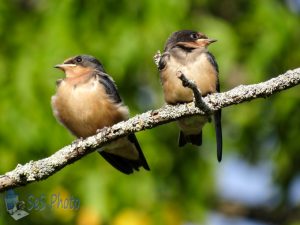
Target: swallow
[
  {"x": 87, "y": 100},
  {"x": 186, "y": 51}
]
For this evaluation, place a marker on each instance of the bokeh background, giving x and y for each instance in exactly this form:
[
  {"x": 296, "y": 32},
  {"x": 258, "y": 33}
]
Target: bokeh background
[{"x": 258, "y": 181}]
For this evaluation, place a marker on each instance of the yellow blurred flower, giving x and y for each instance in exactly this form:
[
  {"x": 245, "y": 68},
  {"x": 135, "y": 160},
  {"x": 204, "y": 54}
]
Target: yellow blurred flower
[
  {"x": 88, "y": 216},
  {"x": 131, "y": 217},
  {"x": 60, "y": 201}
]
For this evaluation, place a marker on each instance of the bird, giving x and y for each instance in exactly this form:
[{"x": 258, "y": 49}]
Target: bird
[
  {"x": 186, "y": 52},
  {"x": 87, "y": 100}
]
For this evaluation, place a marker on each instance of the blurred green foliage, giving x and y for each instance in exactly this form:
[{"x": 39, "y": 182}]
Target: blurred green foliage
[{"x": 256, "y": 40}]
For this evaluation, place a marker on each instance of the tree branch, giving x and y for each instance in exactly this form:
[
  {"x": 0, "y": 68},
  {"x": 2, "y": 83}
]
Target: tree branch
[
  {"x": 41, "y": 169},
  {"x": 271, "y": 215}
]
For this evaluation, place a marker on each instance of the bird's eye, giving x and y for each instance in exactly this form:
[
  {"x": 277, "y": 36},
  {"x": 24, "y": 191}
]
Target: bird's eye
[
  {"x": 78, "y": 59},
  {"x": 194, "y": 36}
]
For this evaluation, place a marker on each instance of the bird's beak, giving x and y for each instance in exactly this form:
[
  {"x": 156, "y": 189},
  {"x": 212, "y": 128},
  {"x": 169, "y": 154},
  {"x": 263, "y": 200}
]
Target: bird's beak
[
  {"x": 64, "y": 66},
  {"x": 205, "y": 41},
  {"x": 211, "y": 40}
]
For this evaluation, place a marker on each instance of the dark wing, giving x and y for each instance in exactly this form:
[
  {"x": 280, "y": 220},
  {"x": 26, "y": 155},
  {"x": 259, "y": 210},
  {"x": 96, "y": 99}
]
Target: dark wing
[
  {"x": 213, "y": 61},
  {"x": 109, "y": 86},
  {"x": 125, "y": 165},
  {"x": 122, "y": 164},
  {"x": 218, "y": 114},
  {"x": 142, "y": 160}
]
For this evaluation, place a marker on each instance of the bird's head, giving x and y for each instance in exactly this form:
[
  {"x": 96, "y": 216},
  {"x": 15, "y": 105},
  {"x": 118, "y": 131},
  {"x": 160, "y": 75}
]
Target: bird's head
[
  {"x": 188, "y": 39},
  {"x": 80, "y": 65}
]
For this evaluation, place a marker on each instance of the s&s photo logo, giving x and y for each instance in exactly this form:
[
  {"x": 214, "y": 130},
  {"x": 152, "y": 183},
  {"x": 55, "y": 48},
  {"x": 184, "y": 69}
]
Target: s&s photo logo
[{"x": 14, "y": 206}]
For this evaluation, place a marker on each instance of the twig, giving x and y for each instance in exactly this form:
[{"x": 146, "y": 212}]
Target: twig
[
  {"x": 197, "y": 93},
  {"x": 41, "y": 169},
  {"x": 270, "y": 215}
]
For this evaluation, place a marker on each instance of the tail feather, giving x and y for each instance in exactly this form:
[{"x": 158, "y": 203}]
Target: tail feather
[
  {"x": 126, "y": 165},
  {"x": 218, "y": 128},
  {"x": 195, "y": 139}
]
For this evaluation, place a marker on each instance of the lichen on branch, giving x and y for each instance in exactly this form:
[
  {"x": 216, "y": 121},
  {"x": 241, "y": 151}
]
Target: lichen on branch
[{"x": 43, "y": 168}]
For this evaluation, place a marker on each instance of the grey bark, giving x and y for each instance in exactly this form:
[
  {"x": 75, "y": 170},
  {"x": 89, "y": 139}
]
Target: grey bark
[{"x": 41, "y": 169}]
